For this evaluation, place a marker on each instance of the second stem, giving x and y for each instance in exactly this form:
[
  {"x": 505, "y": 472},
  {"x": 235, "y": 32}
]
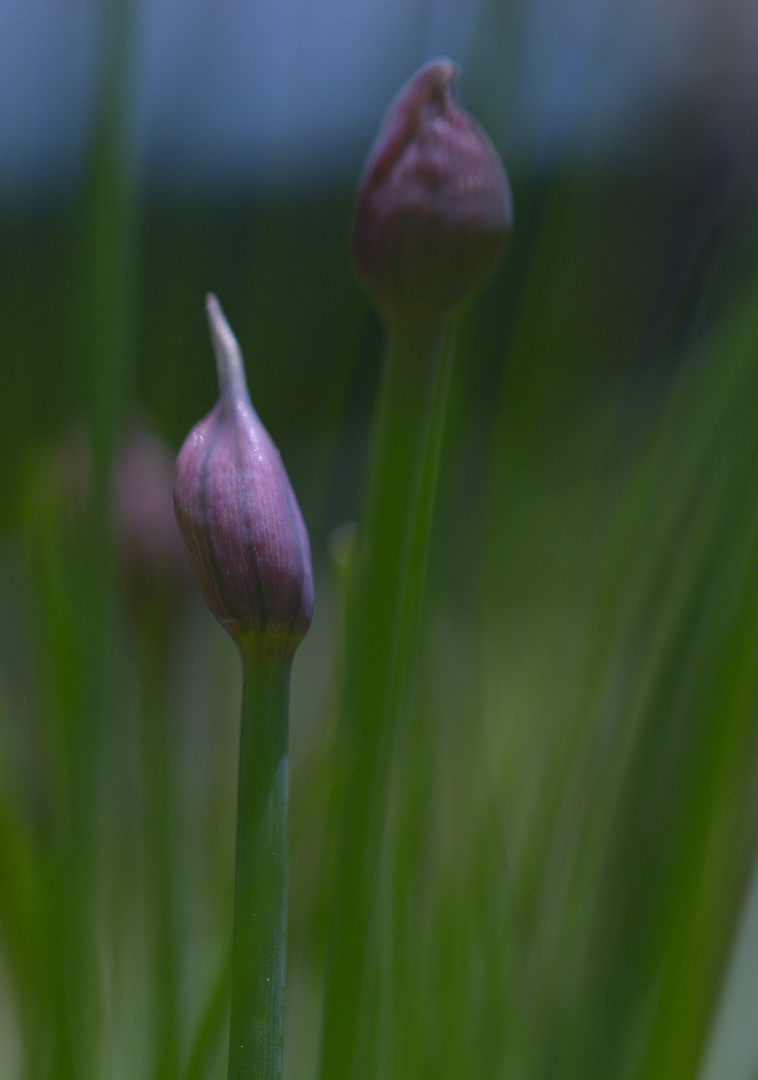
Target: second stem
[{"x": 383, "y": 618}]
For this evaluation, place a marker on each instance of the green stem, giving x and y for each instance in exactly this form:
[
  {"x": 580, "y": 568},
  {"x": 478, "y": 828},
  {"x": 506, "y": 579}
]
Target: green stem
[
  {"x": 383, "y": 621},
  {"x": 260, "y": 886}
]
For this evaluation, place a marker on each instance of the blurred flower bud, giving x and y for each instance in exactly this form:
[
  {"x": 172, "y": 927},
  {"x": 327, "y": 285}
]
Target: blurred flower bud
[
  {"x": 434, "y": 207},
  {"x": 150, "y": 549},
  {"x": 243, "y": 528}
]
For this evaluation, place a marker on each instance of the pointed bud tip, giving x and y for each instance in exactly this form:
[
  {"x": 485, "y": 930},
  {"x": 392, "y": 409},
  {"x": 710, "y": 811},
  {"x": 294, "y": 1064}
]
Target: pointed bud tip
[
  {"x": 246, "y": 538},
  {"x": 434, "y": 207},
  {"x": 229, "y": 365}
]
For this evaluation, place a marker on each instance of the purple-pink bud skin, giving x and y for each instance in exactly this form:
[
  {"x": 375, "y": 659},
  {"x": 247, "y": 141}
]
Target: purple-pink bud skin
[
  {"x": 434, "y": 207},
  {"x": 243, "y": 528},
  {"x": 146, "y": 534}
]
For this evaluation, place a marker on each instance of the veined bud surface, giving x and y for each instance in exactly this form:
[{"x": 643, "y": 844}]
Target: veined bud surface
[
  {"x": 243, "y": 528},
  {"x": 434, "y": 207}
]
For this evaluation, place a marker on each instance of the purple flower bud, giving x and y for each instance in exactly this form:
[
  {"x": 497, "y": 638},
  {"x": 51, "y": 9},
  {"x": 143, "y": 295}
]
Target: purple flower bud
[
  {"x": 243, "y": 528},
  {"x": 146, "y": 537},
  {"x": 434, "y": 207}
]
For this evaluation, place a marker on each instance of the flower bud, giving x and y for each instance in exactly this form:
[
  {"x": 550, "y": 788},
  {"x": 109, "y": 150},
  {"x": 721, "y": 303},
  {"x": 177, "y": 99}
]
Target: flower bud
[
  {"x": 152, "y": 557},
  {"x": 243, "y": 528},
  {"x": 434, "y": 207}
]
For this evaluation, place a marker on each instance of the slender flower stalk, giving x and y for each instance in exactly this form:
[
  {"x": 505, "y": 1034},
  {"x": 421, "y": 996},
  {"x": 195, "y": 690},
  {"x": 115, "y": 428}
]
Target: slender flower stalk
[
  {"x": 155, "y": 572},
  {"x": 432, "y": 220},
  {"x": 249, "y": 548},
  {"x": 260, "y": 884}
]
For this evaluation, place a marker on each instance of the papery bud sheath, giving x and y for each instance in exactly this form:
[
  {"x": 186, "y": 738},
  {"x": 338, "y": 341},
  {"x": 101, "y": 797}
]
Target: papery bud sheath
[
  {"x": 434, "y": 206},
  {"x": 244, "y": 531}
]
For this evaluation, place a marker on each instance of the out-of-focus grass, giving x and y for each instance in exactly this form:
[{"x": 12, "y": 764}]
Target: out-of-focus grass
[{"x": 572, "y": 809}]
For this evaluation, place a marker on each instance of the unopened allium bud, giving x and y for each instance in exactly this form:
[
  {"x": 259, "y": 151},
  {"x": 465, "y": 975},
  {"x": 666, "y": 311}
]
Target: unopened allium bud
[
  {"x": 434, "y": 207},
  {"x": 243, "y": 528},
  {"x": 151, "y": 552}
]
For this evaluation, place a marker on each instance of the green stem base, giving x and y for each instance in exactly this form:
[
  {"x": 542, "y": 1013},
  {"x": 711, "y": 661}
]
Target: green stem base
[{"x": 260, "y": 888}]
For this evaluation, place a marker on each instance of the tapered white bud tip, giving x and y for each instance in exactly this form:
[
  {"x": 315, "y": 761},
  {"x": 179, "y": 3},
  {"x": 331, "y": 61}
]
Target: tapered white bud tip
[{"x": 229, "y": 364}]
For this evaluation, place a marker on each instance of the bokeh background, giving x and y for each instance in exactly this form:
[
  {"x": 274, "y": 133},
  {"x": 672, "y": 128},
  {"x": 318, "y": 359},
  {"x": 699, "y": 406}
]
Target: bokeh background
[{"x": 574, "y": 804}]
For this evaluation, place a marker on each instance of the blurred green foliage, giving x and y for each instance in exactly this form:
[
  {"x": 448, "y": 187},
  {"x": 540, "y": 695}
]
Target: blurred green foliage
[{"x": 573, "y": 798}]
